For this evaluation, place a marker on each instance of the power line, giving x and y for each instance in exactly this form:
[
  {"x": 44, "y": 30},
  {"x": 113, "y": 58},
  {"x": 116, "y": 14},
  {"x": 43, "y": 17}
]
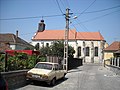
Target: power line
[
  {"x": 63, "y": 4},
  {"x": 76, "y": 30},
  {"x": 32, "y": 17},
  {"x": 100, "y": 10},
  {"x": 78, "y": 23},
  {"x": 87, "y": 8},
  {"x": 99, "y": 17},
  {"x": 59, "y": 7}
]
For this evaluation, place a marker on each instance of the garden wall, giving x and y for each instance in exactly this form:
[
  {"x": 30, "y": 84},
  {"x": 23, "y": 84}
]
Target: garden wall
[
  {"x": 74, "y": 63},
  {"x": 15, "y": 79}
]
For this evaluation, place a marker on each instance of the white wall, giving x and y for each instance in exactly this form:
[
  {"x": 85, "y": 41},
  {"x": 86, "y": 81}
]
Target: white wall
[
  {"x": 12, "y": 47},
  {"x": 79, "y": 43}
]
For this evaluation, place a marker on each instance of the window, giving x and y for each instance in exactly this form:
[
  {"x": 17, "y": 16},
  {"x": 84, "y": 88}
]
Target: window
[
  {"x": 47, "y": 44},
  {"x": 87, "y": 51},
  {"x": 79, "y": 51},
  {"x": 96, "y": 51},
  {"x": 43, "y": 66}
]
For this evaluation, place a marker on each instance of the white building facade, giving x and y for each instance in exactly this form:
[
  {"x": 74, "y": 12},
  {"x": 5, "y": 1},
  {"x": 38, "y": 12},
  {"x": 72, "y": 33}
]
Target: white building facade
[{"x": 87, "y": 45}]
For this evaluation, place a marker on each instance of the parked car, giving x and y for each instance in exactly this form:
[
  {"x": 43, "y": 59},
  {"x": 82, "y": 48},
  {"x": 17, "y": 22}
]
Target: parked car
[
  {"x": 3, "y": 83},
  {"x": 46, "y": 71}
]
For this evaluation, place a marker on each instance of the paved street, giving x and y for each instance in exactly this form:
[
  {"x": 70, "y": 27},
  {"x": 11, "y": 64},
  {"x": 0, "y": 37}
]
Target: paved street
[{"x": 86, "y": 77}]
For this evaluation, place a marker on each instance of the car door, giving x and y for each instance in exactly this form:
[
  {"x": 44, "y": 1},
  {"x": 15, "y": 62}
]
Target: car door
[
  {"x": 57, "y": 73},
  {"x": 61, "y": 72}
]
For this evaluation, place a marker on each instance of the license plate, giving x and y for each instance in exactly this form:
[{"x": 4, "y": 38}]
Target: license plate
[{"x": 36, "y": 76}]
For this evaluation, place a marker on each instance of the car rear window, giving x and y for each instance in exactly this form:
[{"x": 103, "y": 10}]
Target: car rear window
[{"x": 44, "y": 66}]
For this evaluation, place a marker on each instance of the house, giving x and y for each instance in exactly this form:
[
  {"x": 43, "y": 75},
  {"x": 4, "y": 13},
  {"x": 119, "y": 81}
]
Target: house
[
  {"x": 112, "y": 50},
  {"x": 13, "y": 42},
  {"x": 87, "y": 45}
]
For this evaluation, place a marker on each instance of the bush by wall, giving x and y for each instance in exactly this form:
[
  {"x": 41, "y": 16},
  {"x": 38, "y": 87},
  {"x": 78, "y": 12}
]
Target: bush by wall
[{"x": 19, "y": 61}]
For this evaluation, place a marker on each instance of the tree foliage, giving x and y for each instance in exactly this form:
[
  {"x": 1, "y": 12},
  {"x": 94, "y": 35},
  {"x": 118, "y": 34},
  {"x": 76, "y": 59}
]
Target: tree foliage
[
  {"x": 19, "y": 61},
  {"x": 57, "y": 49}
]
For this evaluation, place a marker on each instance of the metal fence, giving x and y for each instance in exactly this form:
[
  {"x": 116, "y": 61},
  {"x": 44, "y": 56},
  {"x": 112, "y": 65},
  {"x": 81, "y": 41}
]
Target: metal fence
[
  {"x": 113, "y": 62},
  {"x": 54, "y": 59}
]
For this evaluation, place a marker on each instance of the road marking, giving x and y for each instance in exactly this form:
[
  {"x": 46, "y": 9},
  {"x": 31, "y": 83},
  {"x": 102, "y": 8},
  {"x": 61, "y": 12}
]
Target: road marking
[{"x": 109, "y": 75}]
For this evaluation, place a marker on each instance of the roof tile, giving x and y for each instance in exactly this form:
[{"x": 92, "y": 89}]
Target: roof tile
[
  {"x": 115, "y": 46},
  {"x": 73, "y": 35}
]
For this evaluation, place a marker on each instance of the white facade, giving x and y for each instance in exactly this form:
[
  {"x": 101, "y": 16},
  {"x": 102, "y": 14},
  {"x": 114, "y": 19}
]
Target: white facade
[{"x": 90, "y": 51}]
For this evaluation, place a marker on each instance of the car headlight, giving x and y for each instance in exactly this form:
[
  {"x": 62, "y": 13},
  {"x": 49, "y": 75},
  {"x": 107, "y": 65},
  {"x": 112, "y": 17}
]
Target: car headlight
[
  {"x": 44, "y": 76},
  {"x": 29, "y": 74}
]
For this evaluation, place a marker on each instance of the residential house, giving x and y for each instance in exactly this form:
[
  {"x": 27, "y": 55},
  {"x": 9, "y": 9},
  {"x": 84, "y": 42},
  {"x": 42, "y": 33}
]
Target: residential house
[
  {"x": 112, "y": 50},
  {"x": 13, "y": 42},
  {"x": 87, "y": 45}
]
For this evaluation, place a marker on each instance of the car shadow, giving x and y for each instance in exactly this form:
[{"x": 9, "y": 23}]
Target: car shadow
[
  {"x": 44, "y": 84},
  {"x": 76, "y": 70}
]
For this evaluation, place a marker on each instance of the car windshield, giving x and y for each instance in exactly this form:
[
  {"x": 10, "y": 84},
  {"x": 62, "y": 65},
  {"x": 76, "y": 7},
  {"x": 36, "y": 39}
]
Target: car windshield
[{"x": 44, "y": 66}]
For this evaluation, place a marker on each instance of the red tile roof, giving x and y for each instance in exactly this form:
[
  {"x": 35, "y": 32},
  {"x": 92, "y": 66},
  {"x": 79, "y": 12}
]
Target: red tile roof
[
  {"x": 115, "y": 46},
  {"x": 89, "y": 36},
  {"x": 73, "y": 35}
]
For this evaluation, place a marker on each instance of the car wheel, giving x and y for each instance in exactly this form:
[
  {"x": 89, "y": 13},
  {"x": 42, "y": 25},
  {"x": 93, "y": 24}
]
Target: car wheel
[
  {"x": 53, "y": 82},
  {"x": 63, "y": 77}
]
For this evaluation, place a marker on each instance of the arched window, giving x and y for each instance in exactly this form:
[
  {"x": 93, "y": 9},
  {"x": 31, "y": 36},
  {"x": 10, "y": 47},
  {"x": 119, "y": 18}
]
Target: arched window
[
  {"x": 79, "y": 51},
  {"x": 47, "y": 44},
  {"x": 87, "y": 51},
  {"x": 96, "y": 51}
]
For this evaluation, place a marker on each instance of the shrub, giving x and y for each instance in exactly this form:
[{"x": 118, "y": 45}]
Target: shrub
[
  {"x": 2, "y": 62},
  {"x": 20, "y": 61}
]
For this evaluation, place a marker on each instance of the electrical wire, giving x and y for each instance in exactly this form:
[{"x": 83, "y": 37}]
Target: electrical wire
[
  {"x": 81, "y": 23},
  {"x": 87, "y": 8},
  {"x": 84, "y": 27},
  {"x": 32, "y": 17},
  {"x": 100, "y": 10},
  {"x": 63, "y": 4},
  {"x": 59, "y": 7},
  {"x": 77, "y": 22},
  {"x": 76, "y": 30},
  {"x": 99, "y": 17}
]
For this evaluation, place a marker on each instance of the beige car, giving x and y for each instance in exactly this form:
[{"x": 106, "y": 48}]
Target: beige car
[{"x": 46, "y": 71}]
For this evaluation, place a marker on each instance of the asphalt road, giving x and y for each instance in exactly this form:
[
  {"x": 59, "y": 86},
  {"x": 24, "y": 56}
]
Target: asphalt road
[{"x": 86, "y": 77}]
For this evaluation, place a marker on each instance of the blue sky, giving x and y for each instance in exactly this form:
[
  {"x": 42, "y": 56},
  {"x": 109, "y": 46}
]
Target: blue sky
[{"x": 107, "y": 22}]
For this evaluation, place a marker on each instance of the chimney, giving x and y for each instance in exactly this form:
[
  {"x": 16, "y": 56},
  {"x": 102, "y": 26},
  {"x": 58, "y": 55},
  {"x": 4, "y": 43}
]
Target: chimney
[
  {"x": 41, "y": 26},
  {"x": 17, "y": 33}
]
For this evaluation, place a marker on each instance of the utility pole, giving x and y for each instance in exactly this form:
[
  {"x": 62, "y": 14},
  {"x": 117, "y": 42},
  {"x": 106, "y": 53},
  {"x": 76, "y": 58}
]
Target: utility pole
[{"x": 66, "y": 38}]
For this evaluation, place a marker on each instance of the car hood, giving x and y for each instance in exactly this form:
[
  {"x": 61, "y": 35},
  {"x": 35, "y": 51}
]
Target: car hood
[{"x": 39, "y": 71}]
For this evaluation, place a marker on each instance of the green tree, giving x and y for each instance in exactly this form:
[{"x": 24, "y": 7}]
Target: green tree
[
  {"x": 57, "y": 49},
  {"x": 45, "y": 51},
  {"x": 2, "y": 62}
]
